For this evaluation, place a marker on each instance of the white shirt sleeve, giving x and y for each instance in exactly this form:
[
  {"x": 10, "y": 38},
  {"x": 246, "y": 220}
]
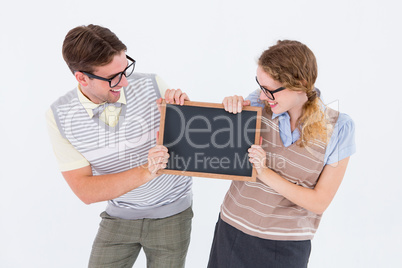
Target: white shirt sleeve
[
  {"x": 67, "y": 156},
  {"x": 162, "y": 85}
]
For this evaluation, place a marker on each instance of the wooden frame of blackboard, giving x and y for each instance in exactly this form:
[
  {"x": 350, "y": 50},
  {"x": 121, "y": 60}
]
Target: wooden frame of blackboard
[{"x": 219, "y": 107}]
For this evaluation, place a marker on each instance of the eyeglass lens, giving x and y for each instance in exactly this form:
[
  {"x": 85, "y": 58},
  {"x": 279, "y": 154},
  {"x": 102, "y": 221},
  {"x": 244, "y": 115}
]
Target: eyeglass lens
[
  {"x": 116, "y": 80},
  {"x": 267, "y": 93}
]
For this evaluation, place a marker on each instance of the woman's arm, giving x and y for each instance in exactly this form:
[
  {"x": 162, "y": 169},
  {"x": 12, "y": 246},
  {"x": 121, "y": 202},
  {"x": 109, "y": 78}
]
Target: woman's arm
[{"x": 316, "y": 200}]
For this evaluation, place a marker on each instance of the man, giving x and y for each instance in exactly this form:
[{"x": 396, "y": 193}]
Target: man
[{"x": 104, "y": 137}]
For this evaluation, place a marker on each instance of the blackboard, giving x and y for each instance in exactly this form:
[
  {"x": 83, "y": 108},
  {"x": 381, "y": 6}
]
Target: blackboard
[{"x": 206, "y": 141}]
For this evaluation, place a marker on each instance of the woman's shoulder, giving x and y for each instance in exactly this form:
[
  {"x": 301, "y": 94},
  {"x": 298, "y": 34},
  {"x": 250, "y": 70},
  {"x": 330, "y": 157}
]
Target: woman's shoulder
[
  {"x": 254, "y": 98},
  {"x": 337, "y": 118},
  {"x": 342, "y": 143},
  {"x": 345, "y": 121}
]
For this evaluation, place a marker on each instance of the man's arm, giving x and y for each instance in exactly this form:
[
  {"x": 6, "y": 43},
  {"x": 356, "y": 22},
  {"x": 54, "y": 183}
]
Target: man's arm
[
  {"x": 78, "y": 173},
  {"x": 91, "y": 189}
]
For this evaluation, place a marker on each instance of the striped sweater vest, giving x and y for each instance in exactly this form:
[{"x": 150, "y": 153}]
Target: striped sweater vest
[
  {"x": 125, "y": 146},
  {"x": 258, "y": 210}
]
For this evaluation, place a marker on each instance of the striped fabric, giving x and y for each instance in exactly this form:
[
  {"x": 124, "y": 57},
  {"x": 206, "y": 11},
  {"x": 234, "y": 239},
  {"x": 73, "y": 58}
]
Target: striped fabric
[
  {"x": 125, "y": 146},
  {"x": 257, "y": 209}
]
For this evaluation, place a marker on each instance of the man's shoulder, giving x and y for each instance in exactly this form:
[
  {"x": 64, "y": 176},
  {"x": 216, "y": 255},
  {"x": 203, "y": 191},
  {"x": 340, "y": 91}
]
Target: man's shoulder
[
  {"x": 136, "y": 76},
  {"x": 142, "y": 82},
  {"x": 66, "y": 98}
]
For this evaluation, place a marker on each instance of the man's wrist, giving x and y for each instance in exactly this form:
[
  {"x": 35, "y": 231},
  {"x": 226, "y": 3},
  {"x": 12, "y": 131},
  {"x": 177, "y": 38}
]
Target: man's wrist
[{"x": 146, "y": 174}]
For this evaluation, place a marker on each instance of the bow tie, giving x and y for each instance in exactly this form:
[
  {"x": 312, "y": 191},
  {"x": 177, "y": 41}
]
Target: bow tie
[{"x": 99, "y": 109}]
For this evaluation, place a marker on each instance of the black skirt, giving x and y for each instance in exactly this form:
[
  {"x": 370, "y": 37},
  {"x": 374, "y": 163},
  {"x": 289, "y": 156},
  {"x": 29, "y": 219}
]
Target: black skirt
[{"x": 232, "y": 248}]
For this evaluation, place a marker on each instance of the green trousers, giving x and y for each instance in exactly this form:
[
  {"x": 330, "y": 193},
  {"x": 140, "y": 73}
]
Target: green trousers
[{"x": 164, "y": 241}]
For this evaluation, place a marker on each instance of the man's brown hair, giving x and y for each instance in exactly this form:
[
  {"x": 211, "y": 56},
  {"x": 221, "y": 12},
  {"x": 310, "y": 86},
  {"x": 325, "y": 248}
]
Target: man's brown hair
[{"x": 86, "y": 47}]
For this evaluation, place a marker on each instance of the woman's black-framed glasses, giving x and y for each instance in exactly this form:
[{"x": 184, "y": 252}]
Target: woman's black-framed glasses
[
  {"x": 267, "y": 92},
  {"x": 115, "y": 80}
]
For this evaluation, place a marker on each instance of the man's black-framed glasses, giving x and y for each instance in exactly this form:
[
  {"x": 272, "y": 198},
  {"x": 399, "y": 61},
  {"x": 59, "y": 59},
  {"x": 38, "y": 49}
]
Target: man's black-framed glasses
[
  {"x": 115, "y": 80},
  {"x": 267, "y": 92}
]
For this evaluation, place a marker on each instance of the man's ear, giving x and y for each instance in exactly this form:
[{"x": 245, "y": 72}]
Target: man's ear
[{"x": 81, "y": 78}]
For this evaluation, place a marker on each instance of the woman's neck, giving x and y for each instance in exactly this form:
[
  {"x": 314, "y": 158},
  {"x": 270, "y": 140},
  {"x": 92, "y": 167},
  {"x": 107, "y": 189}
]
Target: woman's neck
[{"x": 294, "y": 114}]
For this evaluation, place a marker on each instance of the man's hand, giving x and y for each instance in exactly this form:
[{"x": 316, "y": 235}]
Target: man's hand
[
  {"x": 175, "y": 96},
  {"x": 157, "y": 158}
]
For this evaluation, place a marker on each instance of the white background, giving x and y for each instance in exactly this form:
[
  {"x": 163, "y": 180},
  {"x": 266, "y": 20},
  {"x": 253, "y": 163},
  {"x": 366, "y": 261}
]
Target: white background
[{"x": 209, "y": 49}]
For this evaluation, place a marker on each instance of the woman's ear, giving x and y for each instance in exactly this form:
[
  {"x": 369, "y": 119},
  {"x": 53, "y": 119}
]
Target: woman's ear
[{"x": 81, "y": 78}]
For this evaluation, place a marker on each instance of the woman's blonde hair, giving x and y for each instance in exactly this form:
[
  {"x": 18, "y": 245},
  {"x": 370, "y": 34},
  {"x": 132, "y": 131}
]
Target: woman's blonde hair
[{"x": 294, "y": 65}]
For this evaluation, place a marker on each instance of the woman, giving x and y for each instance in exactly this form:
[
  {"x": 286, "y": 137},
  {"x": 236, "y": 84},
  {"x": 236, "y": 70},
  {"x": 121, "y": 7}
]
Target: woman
[{"x": 300, "y": 164}]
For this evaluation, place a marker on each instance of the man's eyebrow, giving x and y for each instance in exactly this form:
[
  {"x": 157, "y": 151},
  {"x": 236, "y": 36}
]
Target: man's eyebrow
[{"x": 113, "y": 75}]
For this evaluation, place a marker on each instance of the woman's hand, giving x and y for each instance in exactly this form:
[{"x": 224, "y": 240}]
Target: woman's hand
[
  {"x": 257, "y": 157},
  {"x": 234, "y": 104}
]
